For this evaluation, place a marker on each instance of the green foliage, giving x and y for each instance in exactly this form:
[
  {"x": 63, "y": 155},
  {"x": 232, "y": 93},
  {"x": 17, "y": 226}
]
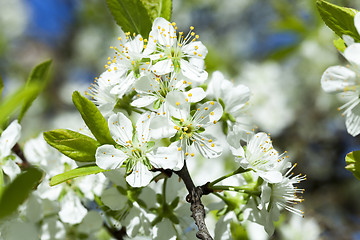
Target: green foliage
[
  {"x": 12, "y": 102},
  {"x": 36, "y": 78},
  {"x": 72, "y": 144},
  {"x": 131, "y": 16},
  {"x": 158, "y": 8},
  {"x": 339, "y": 44},
  {"x": 352, "y": 160},
  {"x": 74, "y": 173},
  {"x": 339, "y": 19},
  {"x": 18, "y": 191},
  {"x": 93, "y": 118}
]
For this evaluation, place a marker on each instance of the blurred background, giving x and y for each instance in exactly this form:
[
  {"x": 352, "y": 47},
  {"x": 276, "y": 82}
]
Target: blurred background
[{"x": 278, "y": 48}]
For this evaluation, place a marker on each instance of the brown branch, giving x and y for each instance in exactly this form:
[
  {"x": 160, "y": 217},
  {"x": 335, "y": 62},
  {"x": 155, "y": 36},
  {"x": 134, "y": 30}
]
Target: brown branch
[
  {"x": 194, "y": 198},
  {"x": 17, "y": 150}
]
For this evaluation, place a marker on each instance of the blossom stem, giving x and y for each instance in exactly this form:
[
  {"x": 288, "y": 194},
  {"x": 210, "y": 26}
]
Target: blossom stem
[
  {"x": 194, "y": 198},
  {"x": 164, "y": 191},
  {"x": 235, "y": 188},
  {"x": 237, "y": 171}
]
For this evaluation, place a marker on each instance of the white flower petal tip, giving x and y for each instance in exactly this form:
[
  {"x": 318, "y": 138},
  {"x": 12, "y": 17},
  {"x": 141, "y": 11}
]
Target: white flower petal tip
[
  {"x": 140, "y": 176},
  {"x": 108, "y": 157},
  {"x": 338, "y": 79}
]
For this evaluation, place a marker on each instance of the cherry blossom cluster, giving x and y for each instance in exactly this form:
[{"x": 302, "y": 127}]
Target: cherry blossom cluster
[
  {"x": 162, "y": 110},
  {"x": 164, "y": 81}
]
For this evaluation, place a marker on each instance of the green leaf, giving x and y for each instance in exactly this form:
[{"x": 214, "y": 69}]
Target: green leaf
[
  {"x": 131, "y": 16},
  {"x": 339, "y": 44},
  {"x": 72, "y": 144},
  {"x": 352, "y": 160},
  {"x": 11, "y": 103},
  {"x": 74, "y": 173},
  {"x": 18, "y": 191},
  {"x": 37, "y": 78},
  {"x": 339, "y": 19},
  {"x": 93, "y": 118},
  {"x": 158, "y": 8},
  {"x": 1, "y": 85}
]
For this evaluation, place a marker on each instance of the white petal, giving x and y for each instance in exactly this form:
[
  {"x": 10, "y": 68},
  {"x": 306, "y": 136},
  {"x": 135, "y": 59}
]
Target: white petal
[
  {"x": 162, "y": 67},
  {"x": 207, "y": 145},
  {"x": 162, "y": 127},
  {"x": 147, "y": 84},
  {"x": 166, "y": 157},
  {"x": 195, "y": 47},
  {"x": 352, "y": 54},
  {"x": 236, "y": 98},
  {"x": 177, "y": 105},
  {"x": 114, "y": 76},
  {"x": 8, "y": 138},
  {"x": 120, "y": 128},
  {"x": 124, "y": 85},
  {"x": 337, "y": 79},
  {"x": 72, "y": 211},
  {"x": 11, "y": 169},
  {"x": 353, "y": 121},
  {"x": 113, "y": 199},
  {"x": 215, "y": 85},
  {"x": 193, "y": 72},
  {"x": 271, "y": 176},
  {"x": 108, "y": 157},
  {"x": 163, "y": 31},
  {"x": 195, "y": 95},
  {"x": 143, "y": 127},
  {"x": 140, "y": 176},
  {"x": 144, "y": 101},
  {"x": 135, "y": 46},
  {"x": 357, "y": 22},
  {"x": 208, "y": 113}
]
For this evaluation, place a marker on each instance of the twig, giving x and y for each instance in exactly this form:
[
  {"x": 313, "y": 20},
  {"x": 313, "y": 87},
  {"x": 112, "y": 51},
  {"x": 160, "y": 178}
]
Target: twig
[
  {"x": 17, "y": 150},
  {"x": 194, "y": 198}
]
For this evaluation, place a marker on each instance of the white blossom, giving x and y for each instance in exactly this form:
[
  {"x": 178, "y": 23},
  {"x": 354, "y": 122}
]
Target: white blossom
[
  {"x": 136, "y": 149},
  {"x": 176, "y": 53},
  {"x": 190, "y": 130},
  {"x": 235, "y": 97},
  {"x": 259, "y": 155},
  {"x": 153, "y": 89},
  {"x": 275, "y": 197}
]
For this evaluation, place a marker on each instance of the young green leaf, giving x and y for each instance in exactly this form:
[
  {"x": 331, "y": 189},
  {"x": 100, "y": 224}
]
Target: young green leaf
[
  {"x": 74, "y": 173},
  {"x": 131, "y": 16},
  {"x": 93, "y": 118},
  {"x": 37, "y": 77},
  {"x": 352, "y": 160},
  {"x": 339, "y": 19},
  {"x": 158, "y": 8},
  {"x": 18, "y": 191},
  {"x": 339, "y": 44},
  {"x": 12, "y": 102},
  {"x": 72, "y": 144}
]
